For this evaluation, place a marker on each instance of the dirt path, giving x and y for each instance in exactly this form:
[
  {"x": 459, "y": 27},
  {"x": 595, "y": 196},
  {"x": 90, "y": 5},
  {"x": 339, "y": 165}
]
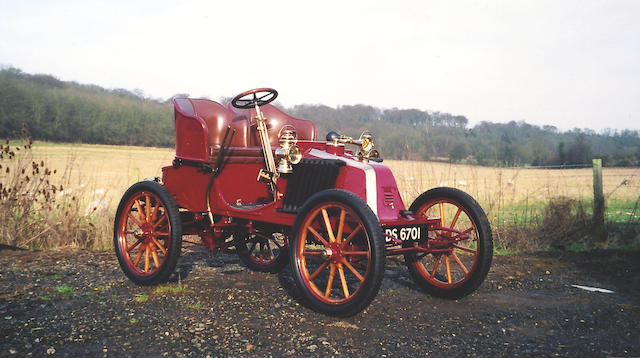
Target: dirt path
[{"x": 78, "y": 303}]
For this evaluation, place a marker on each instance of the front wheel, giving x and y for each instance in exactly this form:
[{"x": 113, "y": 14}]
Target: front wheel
[
  {"x": 461, "y": 246},
  {"x": 147, "y": 233},
  {"x": 337, "y": 253}
]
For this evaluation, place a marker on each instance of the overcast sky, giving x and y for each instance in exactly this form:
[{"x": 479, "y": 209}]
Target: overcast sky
[{"x": 563, "y": 63}]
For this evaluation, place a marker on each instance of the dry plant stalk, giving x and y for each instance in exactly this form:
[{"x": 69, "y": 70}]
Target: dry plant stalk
[{"x": 34, "y": 212}]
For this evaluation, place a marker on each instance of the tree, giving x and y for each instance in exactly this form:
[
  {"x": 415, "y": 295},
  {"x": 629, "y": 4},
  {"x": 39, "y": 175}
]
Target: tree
[
  {"x": 459, "y": 151},
  {"x": 580, "y": 151}
]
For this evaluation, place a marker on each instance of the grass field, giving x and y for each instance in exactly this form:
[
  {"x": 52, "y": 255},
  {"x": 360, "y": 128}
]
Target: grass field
[{"x": 99, "y": 175}]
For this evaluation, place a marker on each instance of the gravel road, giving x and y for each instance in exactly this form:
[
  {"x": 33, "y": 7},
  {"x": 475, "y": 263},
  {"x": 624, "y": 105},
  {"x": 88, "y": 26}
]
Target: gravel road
[{"x": 78, "y": 303}]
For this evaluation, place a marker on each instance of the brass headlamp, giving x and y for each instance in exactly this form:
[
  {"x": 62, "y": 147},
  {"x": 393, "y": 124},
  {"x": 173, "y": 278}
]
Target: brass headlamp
[
  {"x": 288, "y": 153},
  {"x": 366, "y": 147}
]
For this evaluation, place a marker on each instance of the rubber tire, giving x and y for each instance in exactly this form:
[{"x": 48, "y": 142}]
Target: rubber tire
[
  {"x": 243, "y": 253},
  {"x": 173, "y": 252},
  {"x": 485, "y": 243},
  {"x": 372, "y": 282}
]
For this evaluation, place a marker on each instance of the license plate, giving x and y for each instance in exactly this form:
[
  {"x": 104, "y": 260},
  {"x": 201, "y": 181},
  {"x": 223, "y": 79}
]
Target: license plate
[{"x": 406, "y": 233}]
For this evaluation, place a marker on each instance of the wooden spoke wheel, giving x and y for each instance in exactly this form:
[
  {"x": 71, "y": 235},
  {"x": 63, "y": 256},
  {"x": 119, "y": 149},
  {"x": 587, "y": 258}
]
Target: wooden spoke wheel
[
  {"x": 147, "y": 233},
  {"x": 262, "y": 252},
  {"x": 461, "y": 246},
  {"x": 337, "y": 253}
]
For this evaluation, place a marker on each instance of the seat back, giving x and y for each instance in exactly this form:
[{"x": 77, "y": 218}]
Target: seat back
[
  {"x": 276, "y": 119},
  {"x": 201, "y": 125},
  {"x": 218, "y": 118}
]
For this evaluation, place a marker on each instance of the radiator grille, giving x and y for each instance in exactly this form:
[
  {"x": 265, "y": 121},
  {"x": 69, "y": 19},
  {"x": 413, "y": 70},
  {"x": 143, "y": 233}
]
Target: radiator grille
[{"x": 309, "y": 177}]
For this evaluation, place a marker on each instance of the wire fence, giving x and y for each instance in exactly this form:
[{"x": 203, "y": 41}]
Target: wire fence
[{"x": 508, "y": 187}]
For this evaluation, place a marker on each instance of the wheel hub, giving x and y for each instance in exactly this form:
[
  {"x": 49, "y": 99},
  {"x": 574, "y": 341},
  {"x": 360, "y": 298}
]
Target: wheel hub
[
  {"x": 333, "y": 252},
  {"x": 145, "y": 232}
]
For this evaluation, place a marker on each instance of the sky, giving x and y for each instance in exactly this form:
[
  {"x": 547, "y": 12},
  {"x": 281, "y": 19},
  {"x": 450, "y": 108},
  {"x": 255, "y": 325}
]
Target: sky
[{"x": 569, "y": 64}]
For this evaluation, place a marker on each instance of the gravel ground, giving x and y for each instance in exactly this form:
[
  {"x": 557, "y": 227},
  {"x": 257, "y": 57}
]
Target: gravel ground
[{"x": 79, "y": 303}]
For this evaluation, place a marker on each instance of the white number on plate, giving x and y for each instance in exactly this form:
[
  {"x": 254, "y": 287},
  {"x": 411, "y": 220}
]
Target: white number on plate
[{"x": 404, "y": 233}]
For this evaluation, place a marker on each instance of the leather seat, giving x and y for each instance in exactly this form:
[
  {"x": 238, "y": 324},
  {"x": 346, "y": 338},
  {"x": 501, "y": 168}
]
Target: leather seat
[
  {"x": 194, "y": 115},
  {"x": 218, "y": 118},
  {"x": 276, "y": 119}
]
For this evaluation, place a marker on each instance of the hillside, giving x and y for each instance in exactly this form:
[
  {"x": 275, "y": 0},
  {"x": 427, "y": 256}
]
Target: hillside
[{"x": 60, "y": 111}]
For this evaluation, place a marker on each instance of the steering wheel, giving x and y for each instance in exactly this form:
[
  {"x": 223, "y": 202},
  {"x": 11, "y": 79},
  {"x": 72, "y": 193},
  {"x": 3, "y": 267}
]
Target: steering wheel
[{"x": 248, "y": 99}]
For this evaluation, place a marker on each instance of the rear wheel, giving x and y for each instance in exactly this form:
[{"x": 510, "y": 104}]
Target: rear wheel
[
  {"x": 337, "y": 253},
  {"x": 262, "y": 252},
  {"x": 461, "y": 246},
  {"x": 147, "y": 233}
]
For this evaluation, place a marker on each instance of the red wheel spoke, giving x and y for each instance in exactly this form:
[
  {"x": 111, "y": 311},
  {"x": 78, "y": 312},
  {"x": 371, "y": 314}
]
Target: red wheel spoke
[
  {"x": 356, "y": 273},
  {"x": 147, "y": 207},
  {"x": 455, "y": 219},
  {"x": 356, "y": 253},
  {"x": 353, "y": 233},
  {"x": 133, "y": 245},
  {"x": 318, "y": 236},
  {"x": 164, "y": 251},
  {"x": 446, "y": 262},
  {"x": 155, "y": 211},
  {"x": 146, "y": 258},
  {"x": 156, "y": 261},
  {"x": 138, "y": 257},
  {"x": 162, "y": 233},
  {"x": 332, "y": 271},
  {"x": 343, "y": 213},
  {"x": 270, "y": 250},
  {"x": 325, "y": 215},
  {"x": 313, "y": 252},
  {"x": 162, "y": 219},
  {"x": 464, "y": 269},
  {"x": 135, "y": 220},
  {"x": 318, "y": 270},
  {"x": 345, "y": 289},
  {"x": 468, "y": 230},
  {"x": 435, "y": 266},
  {"x": 466, "y": 249},
  {"x": 442, "y": 219},
  {"x": 140, "y": 211}
]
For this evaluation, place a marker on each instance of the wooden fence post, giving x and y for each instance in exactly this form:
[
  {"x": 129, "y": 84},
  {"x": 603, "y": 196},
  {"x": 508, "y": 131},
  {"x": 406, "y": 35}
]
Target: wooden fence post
[{"x": 598, "y": 197}]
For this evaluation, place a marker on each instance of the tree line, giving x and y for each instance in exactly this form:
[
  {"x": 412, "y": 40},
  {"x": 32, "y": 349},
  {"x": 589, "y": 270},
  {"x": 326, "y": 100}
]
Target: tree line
[{"x": 61, "y": 111}]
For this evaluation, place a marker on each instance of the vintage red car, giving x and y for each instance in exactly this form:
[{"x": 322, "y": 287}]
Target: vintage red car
[{"x": 253, "y": 177}]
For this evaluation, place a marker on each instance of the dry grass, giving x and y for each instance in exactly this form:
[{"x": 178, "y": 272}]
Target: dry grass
[
  {"x": 103, "y": 172},
  {"x": 98, "y": 175}
]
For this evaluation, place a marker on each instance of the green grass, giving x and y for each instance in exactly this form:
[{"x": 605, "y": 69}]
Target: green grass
[
  {"x": 622, "y": 211},
  {"x": 141, "y": 297},
  {"x": 617, "y": 211},
  {"x": 57, "y": 276},
  {"x": 195, "y": 306},
  {"x": 501, "y": 251},
  {"x": 65, "y": 291},
  {"x": 177, "y": 289}
]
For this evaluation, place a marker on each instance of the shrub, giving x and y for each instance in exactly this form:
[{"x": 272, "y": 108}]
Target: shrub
[{"x": 34, "y": 212}]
